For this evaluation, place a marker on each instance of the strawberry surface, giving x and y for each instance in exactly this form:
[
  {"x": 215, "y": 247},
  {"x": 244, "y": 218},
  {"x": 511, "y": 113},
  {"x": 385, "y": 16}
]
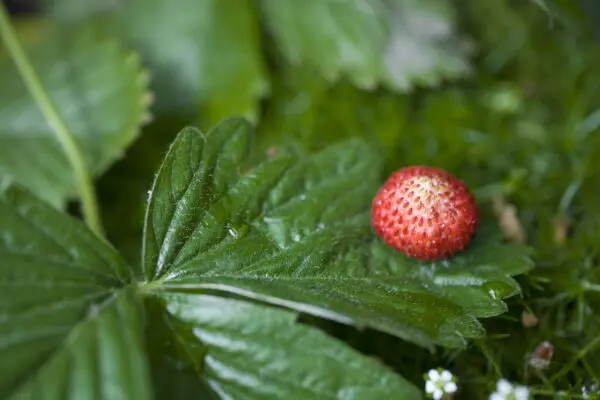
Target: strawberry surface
[{"x": 425, "y": 212}]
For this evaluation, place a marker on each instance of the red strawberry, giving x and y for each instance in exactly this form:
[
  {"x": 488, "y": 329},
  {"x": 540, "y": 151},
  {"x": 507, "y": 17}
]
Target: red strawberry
[{"x": 425, "y": 212}]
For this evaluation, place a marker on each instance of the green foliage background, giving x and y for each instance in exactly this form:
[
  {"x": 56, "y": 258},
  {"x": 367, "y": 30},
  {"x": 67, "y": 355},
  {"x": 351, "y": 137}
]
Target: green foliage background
[{"x": 503, "y": 94}]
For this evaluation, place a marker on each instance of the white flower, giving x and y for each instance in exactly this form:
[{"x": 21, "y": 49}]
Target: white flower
[
  {"x": 506, "y": 391},
  {"x": 590, "y": 392},
  {"x": 440, "y": 382}
]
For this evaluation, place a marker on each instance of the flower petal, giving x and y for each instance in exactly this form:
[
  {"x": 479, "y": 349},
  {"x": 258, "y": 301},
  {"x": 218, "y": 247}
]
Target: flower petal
[
  {"x": 504, "y": 387},
  {"x": 446, "y": 376},
  {"x": 434, "y": 375},
  {"x": 430, "y": 387},
  {"x": 497, "y": 396},
  {"x": 521, "y": 393},
  {"x": 450, "y": 387},
  {"x": 437, "y": 395}
]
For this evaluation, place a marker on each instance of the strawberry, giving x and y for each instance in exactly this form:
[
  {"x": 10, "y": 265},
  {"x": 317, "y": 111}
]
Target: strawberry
[{"x": 425, "y": 212}]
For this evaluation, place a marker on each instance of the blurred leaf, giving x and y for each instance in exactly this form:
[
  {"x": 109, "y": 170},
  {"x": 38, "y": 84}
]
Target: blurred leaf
[
  {"x": 423, "y": 48},
  {"x": 100, "y": 90},
  {"x": 258, "y": 352},
  {"x": 398, "y": 43},
  {"x": 296, "y": 233},
  {"x": 204, "y": 55},
  {"x": 70, "y": 328}
]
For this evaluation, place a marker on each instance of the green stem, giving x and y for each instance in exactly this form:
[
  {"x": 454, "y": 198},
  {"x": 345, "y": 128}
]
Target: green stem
[
  {"x": 580, "y": 354},
  {"x": 484, "y": 350},
  {"x": 63, "y": 134}
]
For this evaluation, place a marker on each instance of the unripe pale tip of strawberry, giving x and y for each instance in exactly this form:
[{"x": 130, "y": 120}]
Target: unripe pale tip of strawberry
[{"x": 425, "y": 212}]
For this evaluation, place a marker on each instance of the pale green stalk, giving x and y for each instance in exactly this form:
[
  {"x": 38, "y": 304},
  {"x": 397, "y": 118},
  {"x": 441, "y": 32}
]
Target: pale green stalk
[{"x": 65, "y": 137}]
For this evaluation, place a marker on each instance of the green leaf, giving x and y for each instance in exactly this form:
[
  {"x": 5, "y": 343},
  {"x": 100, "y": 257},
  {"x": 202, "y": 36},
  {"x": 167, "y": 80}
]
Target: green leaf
[
  {"x": 296, "y": 232},
  {"x": 70, "y": 328},
  {"x": 258, "y": 352},
  {"x": 99, "y": 89},
  {"x": 395, "y": 42},
  {"x": 205, "y": 55}
]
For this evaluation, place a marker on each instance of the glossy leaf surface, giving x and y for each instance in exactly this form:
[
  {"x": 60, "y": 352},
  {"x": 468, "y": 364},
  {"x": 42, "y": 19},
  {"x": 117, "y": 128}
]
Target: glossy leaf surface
[{"x": 261, "y": 352}]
